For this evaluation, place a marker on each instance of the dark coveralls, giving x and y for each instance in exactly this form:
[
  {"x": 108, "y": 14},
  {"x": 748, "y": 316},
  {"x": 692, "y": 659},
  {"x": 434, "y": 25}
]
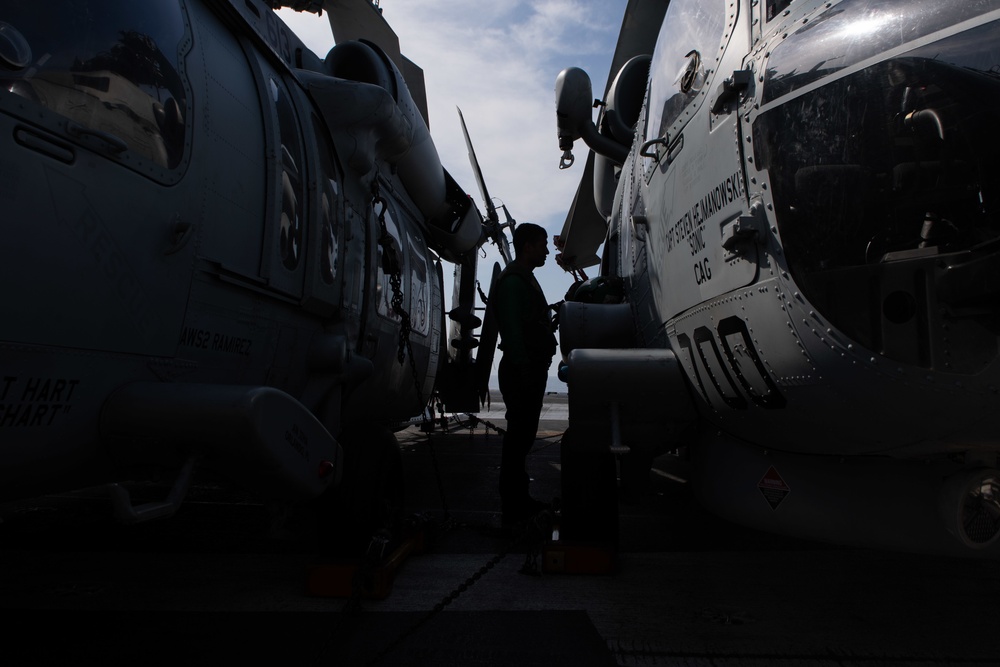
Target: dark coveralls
[{"x": 528, "y": 343}]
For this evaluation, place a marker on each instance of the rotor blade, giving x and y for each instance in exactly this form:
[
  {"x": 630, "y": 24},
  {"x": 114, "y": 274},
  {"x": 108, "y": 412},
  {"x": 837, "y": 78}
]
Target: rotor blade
[
  {"x": 491, "y": 210},
  {"x": 640, "y": 28},
  {"x": 360, "y": 19}
]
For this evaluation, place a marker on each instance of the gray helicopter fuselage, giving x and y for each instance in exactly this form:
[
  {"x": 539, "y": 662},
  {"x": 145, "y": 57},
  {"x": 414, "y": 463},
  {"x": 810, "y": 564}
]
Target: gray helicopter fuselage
[
  {"x": 796, "y": 345},
  {"x": 180, "y": 212},
  {"x": 807, "y": 226}
]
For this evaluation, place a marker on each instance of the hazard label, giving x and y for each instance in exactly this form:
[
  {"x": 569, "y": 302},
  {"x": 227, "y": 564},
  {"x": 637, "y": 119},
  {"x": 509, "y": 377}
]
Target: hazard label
[{"x": 773, "y": 488}]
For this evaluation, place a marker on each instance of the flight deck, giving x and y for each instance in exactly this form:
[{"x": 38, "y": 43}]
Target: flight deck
[{"x": 225, "y": 581}]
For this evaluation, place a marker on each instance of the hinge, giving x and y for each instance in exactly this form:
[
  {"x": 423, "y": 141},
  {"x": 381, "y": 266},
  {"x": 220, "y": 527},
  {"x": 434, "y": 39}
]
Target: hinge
[{"x": 744, "y": 228}]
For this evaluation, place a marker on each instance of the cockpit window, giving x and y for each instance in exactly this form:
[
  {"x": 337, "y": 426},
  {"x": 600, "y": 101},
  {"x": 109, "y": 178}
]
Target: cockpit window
[
  {"x": 886, "y": 191},
  {"x": 856, "y": 30},
  {"x": 683, "y": 62},
  {"x": 111, "y": 67}
]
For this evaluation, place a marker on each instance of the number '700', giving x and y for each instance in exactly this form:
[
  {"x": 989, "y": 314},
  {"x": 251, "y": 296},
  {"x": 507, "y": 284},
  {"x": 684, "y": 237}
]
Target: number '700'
[{"x": 738, "y": 358}]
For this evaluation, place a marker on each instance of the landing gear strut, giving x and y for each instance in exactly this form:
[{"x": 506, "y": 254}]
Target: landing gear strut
[{"x": 369, "y": 500}]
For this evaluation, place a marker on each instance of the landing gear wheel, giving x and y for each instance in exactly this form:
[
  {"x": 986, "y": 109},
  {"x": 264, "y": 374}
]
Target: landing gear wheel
[{"x": 369, "y": 499}]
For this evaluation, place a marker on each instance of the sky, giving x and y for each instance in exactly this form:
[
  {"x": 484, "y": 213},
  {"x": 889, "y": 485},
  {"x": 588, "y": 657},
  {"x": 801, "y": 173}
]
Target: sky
[{"x": 498, "y": 62}]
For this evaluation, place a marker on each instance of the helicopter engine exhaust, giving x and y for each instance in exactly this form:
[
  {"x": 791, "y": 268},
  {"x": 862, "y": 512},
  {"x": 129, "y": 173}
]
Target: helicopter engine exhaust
[
  {"x": 969, "y": 507},
  {"x": 364, "y": 96},
  {"x": 936, "y": 506},
  {"x": 419, "y": 165}
]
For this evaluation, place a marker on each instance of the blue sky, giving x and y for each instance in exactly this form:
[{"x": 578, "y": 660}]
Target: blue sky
[{"x": 498, "y": 61}]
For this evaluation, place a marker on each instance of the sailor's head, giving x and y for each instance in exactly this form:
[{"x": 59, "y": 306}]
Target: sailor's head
[{"x": 531, "y": 244}]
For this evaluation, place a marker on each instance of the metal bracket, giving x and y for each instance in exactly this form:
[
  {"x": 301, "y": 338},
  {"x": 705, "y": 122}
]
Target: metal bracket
[
  {"x": 730, "y": 90},
  {"x": 745, "y": 228}
]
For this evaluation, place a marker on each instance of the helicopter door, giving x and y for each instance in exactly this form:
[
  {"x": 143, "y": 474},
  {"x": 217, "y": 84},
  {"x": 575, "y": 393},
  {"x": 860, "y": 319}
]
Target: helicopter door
[{"x": 692, "y": 158}]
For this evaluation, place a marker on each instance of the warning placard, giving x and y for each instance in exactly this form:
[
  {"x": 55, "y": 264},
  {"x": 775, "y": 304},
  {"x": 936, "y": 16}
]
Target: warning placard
[{"x": 773, "y": 488}]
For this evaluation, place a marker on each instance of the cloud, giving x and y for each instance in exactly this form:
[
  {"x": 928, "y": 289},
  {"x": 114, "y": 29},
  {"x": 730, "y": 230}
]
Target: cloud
[{"x": 501, "y": 68}]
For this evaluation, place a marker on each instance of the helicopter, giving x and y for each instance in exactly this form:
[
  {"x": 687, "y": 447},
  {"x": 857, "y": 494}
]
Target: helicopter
[
  {"x": 225, "y": 253},
  {"x": 795, "y": 210}
]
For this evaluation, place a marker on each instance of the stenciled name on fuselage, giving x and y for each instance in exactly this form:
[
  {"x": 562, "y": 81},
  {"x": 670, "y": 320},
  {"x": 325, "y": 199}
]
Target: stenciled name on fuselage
[
  {"x": 690, "y": 226},
  {"x": 203, "y": 339},
  {"x": 35, "y": 401}
]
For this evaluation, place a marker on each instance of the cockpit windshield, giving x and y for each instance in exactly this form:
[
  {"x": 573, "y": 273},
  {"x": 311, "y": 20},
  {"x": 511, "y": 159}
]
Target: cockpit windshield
[
  {"x": 856, "y": 30},
  {"x": 110, "y": 67},
  {"x": 886, "y": 187}
]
